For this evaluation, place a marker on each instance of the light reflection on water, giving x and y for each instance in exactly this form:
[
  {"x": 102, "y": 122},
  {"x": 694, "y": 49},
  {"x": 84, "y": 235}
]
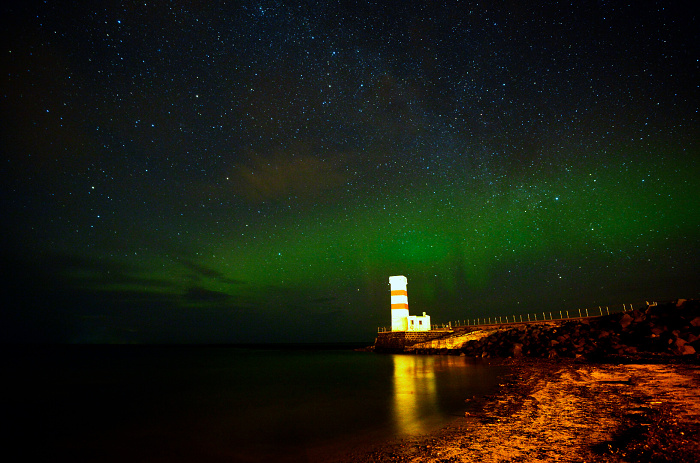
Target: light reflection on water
[
  {"x": 426, "y": 389},
  {"x": 414, "y": 392}
]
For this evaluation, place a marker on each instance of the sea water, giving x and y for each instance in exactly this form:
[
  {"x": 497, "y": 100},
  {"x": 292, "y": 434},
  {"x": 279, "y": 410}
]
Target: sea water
[{"x": 210, "y": 404}]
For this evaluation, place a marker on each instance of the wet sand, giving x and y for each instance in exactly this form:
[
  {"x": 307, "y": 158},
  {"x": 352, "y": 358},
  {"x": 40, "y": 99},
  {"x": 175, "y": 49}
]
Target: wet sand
[{"x": 569, "y": 411}]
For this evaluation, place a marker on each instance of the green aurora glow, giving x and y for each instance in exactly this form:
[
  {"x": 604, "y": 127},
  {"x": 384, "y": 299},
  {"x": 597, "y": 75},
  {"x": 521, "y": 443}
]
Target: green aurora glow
[{"x": 566, "y": 240}]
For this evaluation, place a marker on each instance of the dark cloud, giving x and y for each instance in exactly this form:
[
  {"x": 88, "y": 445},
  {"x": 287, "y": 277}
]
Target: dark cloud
[
  {"x": 295, "y": 173},
  {"x": 201, "y": 271},
  {"x": 202, "y": 296}
]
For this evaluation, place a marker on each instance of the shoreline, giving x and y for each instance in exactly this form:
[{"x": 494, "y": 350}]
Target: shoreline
[{"x": 567, "y": 410}]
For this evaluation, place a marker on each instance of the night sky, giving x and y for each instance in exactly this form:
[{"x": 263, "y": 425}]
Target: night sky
[{"x": 255, "y": 171}]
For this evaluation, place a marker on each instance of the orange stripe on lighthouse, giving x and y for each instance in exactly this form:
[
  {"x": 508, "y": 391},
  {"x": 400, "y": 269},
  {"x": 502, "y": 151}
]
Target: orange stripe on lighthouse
[{"x": 399, "y": 303}]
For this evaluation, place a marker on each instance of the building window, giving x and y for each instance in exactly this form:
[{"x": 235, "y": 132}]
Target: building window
[{"x": 420, "y": 322}]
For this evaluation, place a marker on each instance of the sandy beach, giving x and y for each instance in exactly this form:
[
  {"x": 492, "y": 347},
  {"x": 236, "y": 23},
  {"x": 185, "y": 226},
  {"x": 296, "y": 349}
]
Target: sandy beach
[{"x": 569, "y": 411}]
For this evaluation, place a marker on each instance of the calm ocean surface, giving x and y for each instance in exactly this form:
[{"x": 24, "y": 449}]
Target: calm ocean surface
[{"x": 177, "y": 404}]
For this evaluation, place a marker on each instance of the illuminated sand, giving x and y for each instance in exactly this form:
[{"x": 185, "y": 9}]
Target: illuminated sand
[{"x": 567, "y": 411}]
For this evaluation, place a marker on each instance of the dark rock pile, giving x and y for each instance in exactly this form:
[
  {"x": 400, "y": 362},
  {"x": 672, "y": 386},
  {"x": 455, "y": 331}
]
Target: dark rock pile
[{"x": 663, "y": 330}]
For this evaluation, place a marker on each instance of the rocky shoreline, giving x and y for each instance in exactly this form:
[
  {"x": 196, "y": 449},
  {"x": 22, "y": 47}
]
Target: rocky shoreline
[
  {"x": 569, "y": 410},
  {"x": 657, "y": 333},
  {"x": 618, "y": 388}
]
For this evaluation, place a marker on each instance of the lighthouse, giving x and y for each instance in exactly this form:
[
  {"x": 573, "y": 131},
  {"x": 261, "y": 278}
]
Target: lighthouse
[
  {"x": 400, "y": 319},
  {"x": 399, "y": 303}
]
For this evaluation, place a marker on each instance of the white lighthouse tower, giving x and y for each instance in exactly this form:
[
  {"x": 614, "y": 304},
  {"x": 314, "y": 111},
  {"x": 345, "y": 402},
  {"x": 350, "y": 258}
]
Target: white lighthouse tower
[
  {"x": 400, "y": 319},
  {"x": 399, "y": 303}
]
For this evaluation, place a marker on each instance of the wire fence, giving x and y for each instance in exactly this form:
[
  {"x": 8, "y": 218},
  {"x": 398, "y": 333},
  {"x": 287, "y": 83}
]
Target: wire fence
[{"x": 530, "y": 317}]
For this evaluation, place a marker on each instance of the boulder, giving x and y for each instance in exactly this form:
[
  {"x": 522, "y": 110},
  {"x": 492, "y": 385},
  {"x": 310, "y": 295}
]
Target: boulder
[
  {"x": 687, "y": 350},
  {"x": 626, "y": 321},
  {"x": 517, "y": 350}
]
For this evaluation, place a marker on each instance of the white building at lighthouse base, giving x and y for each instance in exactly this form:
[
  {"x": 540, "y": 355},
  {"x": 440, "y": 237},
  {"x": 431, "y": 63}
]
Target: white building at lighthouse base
[{"x": 418, "y": 323}]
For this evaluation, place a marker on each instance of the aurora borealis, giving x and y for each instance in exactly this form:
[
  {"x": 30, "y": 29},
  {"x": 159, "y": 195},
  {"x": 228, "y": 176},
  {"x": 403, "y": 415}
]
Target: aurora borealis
[{"x": 255, "y": 172}]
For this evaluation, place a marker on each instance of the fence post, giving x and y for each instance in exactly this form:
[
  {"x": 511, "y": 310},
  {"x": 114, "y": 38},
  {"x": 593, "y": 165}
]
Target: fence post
[
  {"x": 521, "y": 317},
  {"x": 586, "y": 312},
  {"x": 567, "y": 314},
  {"x": 535, "y": 315},
  {"x": 528, "y": 317},
  {"x": 579, "y": 313},
  {"x": 560, "y": 315},
  {"x": 608, "y": 309}
]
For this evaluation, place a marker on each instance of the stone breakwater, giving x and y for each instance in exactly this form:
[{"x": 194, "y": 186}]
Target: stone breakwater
[{"x": 659, "y": 331}]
